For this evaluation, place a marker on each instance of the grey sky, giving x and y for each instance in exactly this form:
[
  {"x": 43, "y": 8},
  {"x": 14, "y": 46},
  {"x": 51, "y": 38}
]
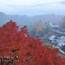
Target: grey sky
[{"x": 32, "y": 7}]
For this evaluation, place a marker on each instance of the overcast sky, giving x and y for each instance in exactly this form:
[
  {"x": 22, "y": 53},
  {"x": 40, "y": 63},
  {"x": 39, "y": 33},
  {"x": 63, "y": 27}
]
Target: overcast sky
[{"x": 32, "y": 7}]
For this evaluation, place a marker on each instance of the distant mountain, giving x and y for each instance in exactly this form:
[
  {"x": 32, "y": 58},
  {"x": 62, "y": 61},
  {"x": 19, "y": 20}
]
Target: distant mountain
[
  {"x": 22, "y": 20},
  {"x": 48, "y": 18}
]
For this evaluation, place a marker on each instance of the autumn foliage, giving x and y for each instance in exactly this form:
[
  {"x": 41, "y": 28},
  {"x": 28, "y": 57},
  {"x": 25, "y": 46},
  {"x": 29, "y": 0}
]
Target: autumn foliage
[{"x": 17, "y": 47}]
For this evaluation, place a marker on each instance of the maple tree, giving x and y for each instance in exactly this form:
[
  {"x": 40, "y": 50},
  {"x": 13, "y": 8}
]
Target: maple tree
[
  {"x": 38, "y": 28},
  {"x": 17, "y": 47}
]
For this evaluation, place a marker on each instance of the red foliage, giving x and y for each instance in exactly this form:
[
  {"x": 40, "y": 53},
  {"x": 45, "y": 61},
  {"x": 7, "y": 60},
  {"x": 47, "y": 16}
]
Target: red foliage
[{"x": 29, "y": 50}]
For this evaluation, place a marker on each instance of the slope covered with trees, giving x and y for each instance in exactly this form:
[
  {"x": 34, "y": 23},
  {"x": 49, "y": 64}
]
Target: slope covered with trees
[{"x": 17, "y": 47}]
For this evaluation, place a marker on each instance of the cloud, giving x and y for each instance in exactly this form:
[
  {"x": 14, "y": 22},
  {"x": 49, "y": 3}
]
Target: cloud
[
  {"x": 63, "y": 2},
  {"x": 32, "y": 7},
  {"x": 26, "y": 2}
]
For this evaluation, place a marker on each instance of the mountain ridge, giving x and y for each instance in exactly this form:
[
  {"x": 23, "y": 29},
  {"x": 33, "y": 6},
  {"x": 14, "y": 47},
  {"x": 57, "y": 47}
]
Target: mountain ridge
[{"x": 22, "y": 20}]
